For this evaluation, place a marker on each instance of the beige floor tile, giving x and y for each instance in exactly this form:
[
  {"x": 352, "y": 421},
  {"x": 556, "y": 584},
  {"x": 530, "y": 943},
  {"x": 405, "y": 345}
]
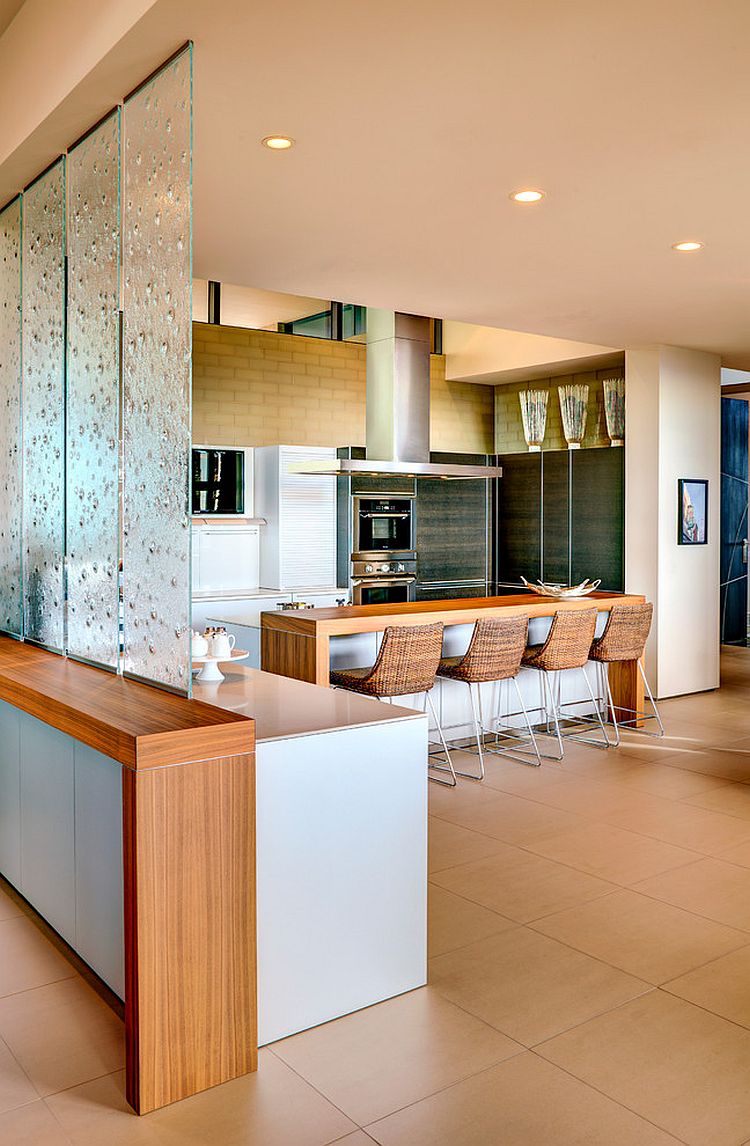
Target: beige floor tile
[
  {"x": 610, "y": 853},
  {"x": 16, "y": 1087},
  {"x": 454, "y": 921},
  {"x": 700, "y": 706},
  {"x": 385, "y": 1057},
  {"x": 8, "y": 909},
  {"x": 62, "y": 1034},
  {"x": 450, "y": 845},
  {"x": 583, "y": 760},
  {"x": 640, "y": 749},
  {"x": 739, "y": 854},
  {"x": 684, "y": 825},
  {"x": 681, "y": 1067},
  {"x": 28, "y": 960},
  {"x": 96, "y": 1114},
  {"x": 731, "y": 799},
  {"x": 642, "y": 936},
  {"x": 528, "y": 985},
  {"x": 670, "y": 783},
  {"x": 520, "y": 779},
  {"x": 592, "y": 798},
  {"x": 722, "y": 986},
  {"x": 273, "y": 1107},
  {"x": 728, "y": 763},
  {"x": 698, "y": 734},
  {"x": 512, "y": 819},
  {"x": 522, "y": 1102},
  {"x": 521, "y": 886},
  {"x": 32, "y": 1125},
  {"x": 710, "y": 887},
  {"x": 358, "y": 1138}
]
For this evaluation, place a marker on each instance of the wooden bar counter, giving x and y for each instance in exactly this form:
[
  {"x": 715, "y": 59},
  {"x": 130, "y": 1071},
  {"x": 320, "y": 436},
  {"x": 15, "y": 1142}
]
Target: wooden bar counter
[
  {"x": 297, "y": 643},
  {"x": 187, "y": 776}
]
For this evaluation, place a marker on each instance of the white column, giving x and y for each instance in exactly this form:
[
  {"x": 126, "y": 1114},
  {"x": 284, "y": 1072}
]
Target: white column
[{"x": 673, "y": 430}]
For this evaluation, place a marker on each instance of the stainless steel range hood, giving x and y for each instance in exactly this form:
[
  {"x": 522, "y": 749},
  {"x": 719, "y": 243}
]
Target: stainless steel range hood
[{"x": 398, "y": 405}]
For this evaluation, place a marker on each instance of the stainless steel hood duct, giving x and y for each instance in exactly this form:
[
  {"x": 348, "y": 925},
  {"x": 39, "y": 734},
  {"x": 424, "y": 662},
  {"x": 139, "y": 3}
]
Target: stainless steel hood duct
[{"x": 398, "y": 405}]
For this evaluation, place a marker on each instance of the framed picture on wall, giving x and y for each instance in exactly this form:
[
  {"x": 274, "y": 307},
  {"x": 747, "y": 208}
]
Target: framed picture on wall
[{"x": 692, "y": 511}]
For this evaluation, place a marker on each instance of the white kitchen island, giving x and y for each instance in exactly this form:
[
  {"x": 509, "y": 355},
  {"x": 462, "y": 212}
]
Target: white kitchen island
[{"x": 341, "y": 847}]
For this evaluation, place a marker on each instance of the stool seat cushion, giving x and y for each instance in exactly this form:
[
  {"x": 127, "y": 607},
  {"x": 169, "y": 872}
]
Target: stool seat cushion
[
  {"x": 450, "y": 666},
  {"x": 456, "y": 668},
  {"x": 355, "y": 680},
  {"x": 530, "y": 655}
]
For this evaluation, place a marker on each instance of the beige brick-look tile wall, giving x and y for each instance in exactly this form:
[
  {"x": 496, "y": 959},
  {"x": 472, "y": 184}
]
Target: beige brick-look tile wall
[
  {"x": 258, "y": 388},
  {"x": 461, "y": 413},
  {"x": 509, "y": 437}
]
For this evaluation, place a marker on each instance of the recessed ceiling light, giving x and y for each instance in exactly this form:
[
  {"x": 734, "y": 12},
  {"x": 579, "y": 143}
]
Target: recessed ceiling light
[
  {"x": 278, "y": 142},
  {"x": 688, "y": 245},
  {"x": 527, "y": 195}
]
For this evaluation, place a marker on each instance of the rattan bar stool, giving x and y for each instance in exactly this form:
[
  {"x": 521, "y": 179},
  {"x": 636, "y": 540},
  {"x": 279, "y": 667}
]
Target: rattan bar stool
[
  {"x": 566, "y": 647},
  {"x": 624, "y": 639},
  {"x": 406, "y": 665},
  {"x": 494, "y": 654}
]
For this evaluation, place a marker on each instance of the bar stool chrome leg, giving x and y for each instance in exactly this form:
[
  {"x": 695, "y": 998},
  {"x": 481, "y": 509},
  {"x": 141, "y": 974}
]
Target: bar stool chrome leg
[{"x": 451, "y": 783}]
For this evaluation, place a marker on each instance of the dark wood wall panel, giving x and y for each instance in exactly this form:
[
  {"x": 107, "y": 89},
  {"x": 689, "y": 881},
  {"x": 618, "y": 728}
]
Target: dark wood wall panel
[
  {"x": 555, "y": 516},
  {"x": 451, "y": 530},
  {"x": 519, "y": 523},
  {"x": 561, "y": 517},
  {"x": 598, "y": 516}
]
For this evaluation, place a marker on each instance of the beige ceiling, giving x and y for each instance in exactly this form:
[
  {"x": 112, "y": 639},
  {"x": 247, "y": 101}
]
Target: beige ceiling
[{"x": 413, "y": 121}]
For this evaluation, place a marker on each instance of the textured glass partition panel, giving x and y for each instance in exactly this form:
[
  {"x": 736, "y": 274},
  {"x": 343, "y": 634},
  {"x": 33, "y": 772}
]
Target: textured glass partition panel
[
  {"x": 43, "y": 315},
  {"x": 93, "y": 385},
  {"x": 157, "y": 339},
  {"x": 11, "y": 608}
]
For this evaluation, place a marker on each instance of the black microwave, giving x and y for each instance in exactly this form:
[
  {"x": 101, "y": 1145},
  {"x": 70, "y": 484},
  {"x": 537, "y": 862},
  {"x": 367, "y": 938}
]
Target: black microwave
[{"x": 218, "y": 481}]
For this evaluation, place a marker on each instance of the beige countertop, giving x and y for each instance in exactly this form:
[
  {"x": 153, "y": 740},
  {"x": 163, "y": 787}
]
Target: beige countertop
[{"x": 284, "y": 708}]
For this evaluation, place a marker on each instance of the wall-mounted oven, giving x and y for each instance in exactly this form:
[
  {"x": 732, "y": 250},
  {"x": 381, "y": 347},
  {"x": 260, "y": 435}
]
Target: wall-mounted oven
[{"x": 381, "y": 525}]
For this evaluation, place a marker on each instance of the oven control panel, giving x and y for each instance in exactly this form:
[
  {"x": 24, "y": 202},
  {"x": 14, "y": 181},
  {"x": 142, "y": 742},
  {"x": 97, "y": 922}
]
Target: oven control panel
[{"x": 374, "y": 568}]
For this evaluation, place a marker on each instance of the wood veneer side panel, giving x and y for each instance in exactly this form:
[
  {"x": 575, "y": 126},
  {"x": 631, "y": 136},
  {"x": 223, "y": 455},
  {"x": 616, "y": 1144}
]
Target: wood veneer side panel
[
  {"x": 628, "y": 693},
  {"x": 189, "y": 847},
  {"x": 295, "y": 655}
]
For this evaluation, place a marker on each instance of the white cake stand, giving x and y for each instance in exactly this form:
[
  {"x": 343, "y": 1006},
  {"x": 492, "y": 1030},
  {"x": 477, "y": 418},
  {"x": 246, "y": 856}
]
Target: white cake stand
[{"x": 209, "y": 666}]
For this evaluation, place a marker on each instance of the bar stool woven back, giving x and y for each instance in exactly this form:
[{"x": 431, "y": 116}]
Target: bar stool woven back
[
  {"x": 568, "y": 642},
  {"x": 625, "y": 634},
  {"x": 494, "y": 653},
  {"x": 407, "y": 663}
]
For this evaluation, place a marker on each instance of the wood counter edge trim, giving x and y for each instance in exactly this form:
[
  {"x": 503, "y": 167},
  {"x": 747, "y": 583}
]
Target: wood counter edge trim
[
  {"x": 315, "y": 628},
  {"x": 216, "y": 741}
]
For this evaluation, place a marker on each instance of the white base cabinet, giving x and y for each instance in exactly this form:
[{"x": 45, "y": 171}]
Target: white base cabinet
[
  {"x": 342, "y": 872},
  {"x": 61, "y": 837}
]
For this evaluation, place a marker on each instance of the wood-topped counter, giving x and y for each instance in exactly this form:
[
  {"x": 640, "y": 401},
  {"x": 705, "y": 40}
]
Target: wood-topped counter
[
  {"x": 295, "y": 643},
  {"x": 139, "y": 726},
  {"x": 188, "y": 863}
]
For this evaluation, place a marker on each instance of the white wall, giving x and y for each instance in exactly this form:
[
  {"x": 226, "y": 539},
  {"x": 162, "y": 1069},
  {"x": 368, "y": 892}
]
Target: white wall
[{"x": 673, "y": 419}]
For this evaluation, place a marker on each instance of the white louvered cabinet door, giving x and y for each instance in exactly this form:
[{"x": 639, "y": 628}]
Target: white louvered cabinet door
[{"x": 307, "y": 521}]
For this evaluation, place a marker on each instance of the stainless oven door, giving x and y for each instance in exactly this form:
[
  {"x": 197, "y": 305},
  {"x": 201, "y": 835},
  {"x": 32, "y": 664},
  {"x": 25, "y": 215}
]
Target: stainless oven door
[
  {"x": 383, "y": 525},
  {"x": 383, "y": 590}
]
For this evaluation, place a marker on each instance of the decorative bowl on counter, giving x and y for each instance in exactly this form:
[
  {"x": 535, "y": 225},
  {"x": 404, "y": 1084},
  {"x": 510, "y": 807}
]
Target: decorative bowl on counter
[{"x": 561, "y": 592}]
